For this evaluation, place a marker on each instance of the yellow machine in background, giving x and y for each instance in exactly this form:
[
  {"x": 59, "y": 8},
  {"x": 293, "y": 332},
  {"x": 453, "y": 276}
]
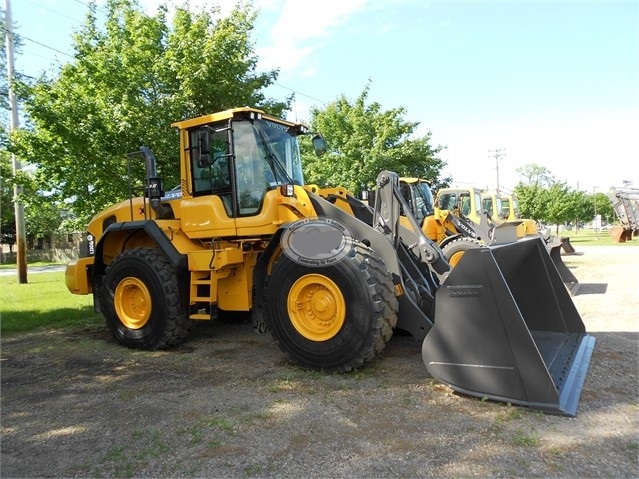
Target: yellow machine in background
[
  {"x": 488, "y": 210},
  {"x": 499, "y": 206},
  {"x": 330, "y": 277}
]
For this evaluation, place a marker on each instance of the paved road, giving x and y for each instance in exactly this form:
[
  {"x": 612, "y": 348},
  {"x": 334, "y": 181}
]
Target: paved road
[{"x": 34, "y": 269}]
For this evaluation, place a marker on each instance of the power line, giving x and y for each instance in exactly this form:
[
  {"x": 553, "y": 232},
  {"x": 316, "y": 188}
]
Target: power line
[
  {"x": 46, "y": 46},
  {"x": 87, "y": 5},
  {"x": 296, "y": 92},
  {"x": 22, "y": 37},
  {"x": 52, "y": 11},
  {"x": 300, "y": 93}
]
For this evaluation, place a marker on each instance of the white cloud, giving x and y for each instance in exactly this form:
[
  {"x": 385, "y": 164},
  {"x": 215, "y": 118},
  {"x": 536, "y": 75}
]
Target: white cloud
[
  {"x": 296, "y": 33},
  {"x": 299, "y": 31}
]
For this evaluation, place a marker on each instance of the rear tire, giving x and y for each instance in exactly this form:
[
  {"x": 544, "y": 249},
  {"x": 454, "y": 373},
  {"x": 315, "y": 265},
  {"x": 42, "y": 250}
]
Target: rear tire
[
  {"x": 332, "y": 318},
  {"x": 141, "y": 303},
  {"x": 454, "y": 250}
]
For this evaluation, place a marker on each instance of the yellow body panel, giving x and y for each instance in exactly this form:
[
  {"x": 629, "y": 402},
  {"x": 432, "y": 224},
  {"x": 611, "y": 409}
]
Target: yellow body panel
[
  {"x": 234, "y": 290},
  {"x": 205, "y": 217},
  {"x": 76, "y": 276}
]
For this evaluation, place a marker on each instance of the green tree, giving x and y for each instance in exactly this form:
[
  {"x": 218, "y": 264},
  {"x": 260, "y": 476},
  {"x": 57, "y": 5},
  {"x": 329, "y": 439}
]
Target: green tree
[
  {"x": 125, "y": 86},
  {"x": 363, "y": 140},
  {"x": 562, "y": 204},
  {"x": 531, "y": 200},
  {"x": 581, "y": 208},
  {"x": 43, "y": 219},
  {"x": 533, "y": 174},
  {"x": 604, "y": 207},
  {"x": 7, "y": 210}
]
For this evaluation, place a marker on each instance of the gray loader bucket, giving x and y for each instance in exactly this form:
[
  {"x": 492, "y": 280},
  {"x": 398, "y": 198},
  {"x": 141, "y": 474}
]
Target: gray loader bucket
[{"x": 506, "y": 329}]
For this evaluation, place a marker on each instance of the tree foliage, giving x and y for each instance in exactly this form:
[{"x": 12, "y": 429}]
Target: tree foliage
[
  {"x": 533, "y": 174},
  {"x": 559, "y": 203},
  {"x": 556, "y": 203},
  {"x": 7, "y": 209},
  {"x": 363, "y": 139},
  {"x": 125, "y": 86},
  {"x": 43, "y": 219}
]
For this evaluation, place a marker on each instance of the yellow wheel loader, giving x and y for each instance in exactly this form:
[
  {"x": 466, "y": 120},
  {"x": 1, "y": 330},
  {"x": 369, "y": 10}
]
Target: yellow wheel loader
[
  {"x": 330, "y": 277},
  {"x": 504, "y": 207},
  {"x": 478, "y": 215}
]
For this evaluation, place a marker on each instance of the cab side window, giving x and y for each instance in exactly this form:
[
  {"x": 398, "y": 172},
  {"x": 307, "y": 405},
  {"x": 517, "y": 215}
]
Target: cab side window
[
  {"x": 465, "y": 205},
  {"x": 448, "y": 201},
  {"x": 211, "y": 177}
]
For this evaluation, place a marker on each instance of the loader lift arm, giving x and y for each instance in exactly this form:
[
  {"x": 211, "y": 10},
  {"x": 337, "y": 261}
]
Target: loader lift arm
[{"x": 388, "y": 201}]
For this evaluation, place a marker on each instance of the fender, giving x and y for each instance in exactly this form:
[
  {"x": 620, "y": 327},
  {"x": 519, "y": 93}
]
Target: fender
[{"x": 154, "y": 232}]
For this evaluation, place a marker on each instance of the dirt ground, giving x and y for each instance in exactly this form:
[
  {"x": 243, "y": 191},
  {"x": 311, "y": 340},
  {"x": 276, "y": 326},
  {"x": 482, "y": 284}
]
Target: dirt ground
[{"x": 227, "y": 404}]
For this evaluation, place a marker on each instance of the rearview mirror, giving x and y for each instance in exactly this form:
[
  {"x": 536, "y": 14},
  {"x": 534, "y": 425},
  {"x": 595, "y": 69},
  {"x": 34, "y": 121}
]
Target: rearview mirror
[{"x": 319, "y": 145}]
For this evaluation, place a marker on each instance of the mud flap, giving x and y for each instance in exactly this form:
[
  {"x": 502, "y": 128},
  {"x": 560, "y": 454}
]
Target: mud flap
[{"x": 506, "y": 329}]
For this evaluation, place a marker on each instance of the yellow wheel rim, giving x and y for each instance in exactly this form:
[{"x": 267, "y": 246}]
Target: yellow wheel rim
[
  {"x": 455, "y": 258},
  {"x": 316, "y": 307},
  {"x": 132, "y": 303}
]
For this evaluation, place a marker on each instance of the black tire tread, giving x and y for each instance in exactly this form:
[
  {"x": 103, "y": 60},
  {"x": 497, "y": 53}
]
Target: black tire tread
[
  {"x": 384, "y": 308},
  {"x": 461, "y": 244},
  {"x": 177, "y": 326}
]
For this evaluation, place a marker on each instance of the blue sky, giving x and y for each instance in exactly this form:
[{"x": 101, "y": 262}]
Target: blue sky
[{"x": 548, "y": 82}]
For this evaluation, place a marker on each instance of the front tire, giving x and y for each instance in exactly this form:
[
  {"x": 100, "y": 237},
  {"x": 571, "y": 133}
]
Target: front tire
[
  {"x": 332, "y": 318},
  {"x": 454, "y": 250},
  {"x": 141, "y": 302}
]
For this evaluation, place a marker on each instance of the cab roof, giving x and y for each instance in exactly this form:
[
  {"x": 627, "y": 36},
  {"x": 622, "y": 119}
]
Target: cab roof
[{"x": 227, "y": 115}]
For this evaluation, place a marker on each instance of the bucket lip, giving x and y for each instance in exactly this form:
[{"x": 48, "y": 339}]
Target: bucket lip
[
  {"x": 571, "y": 391},
  {"x": 569, "y": 395}
]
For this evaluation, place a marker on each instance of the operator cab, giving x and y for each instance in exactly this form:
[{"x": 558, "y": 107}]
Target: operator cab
[
  {"x": 419, "y": 197},
  {"x": 461, "y": 200},
  {"x": 242, "y": 156}
]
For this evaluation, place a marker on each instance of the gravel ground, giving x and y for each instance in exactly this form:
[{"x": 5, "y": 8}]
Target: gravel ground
[{"x": 227, "y": 404}]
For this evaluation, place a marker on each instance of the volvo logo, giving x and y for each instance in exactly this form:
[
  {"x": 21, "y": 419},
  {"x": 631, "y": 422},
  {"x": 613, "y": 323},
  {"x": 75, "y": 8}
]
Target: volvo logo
[{"x": 464, "y": 290}]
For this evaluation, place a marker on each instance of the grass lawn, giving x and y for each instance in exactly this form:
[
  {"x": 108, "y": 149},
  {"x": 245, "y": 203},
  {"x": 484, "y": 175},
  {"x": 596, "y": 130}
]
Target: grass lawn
[
  {"x": 39, "y": 263},
  {"x": 44, "y": 301},
  {"x": 591, "y": 238}
]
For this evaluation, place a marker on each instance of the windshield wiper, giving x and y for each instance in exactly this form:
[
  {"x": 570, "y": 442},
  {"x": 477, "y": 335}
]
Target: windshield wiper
[{"x": 273, "y": 162}]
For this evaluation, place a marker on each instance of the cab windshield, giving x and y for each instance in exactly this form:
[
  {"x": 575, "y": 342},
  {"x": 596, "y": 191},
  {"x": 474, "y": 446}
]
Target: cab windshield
[
  {"x": 266, "y": 155},
  {"x": 268, "y": 147},
  {"x": 505, "y": 208},
  {"x": 424, "y": 199}
]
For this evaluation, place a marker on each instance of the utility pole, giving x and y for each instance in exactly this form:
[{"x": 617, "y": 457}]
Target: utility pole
[
  {"x": 497, "y": 154},
  {"x": 21, "y": 237}
]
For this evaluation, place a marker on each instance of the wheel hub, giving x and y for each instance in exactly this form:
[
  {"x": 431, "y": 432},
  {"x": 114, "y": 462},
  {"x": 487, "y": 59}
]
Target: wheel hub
[
  {"x": 132, "y": 303},
  {"x": 316, "y": 307}
]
